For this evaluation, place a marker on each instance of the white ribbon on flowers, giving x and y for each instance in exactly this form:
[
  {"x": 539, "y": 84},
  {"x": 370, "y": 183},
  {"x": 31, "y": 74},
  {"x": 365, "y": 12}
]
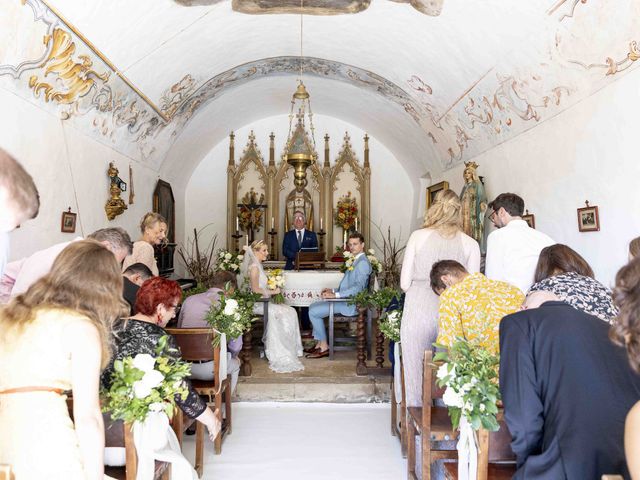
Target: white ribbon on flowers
[
  {"x": 467, "y": 451},
  {"x": 222, "y": 367},
  {"x": 397, "y": 372},
  {"x": 155, "y": 440}
]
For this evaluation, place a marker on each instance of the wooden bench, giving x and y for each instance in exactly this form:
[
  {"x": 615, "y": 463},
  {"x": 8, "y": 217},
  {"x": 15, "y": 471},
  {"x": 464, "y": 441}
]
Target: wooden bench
[
  {"x": 196, "y": 344},
  {"x": 431, "y": 422}
]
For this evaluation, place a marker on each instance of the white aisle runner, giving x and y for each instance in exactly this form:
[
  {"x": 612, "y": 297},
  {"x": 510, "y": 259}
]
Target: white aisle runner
[{"x": 306, "y": 441}]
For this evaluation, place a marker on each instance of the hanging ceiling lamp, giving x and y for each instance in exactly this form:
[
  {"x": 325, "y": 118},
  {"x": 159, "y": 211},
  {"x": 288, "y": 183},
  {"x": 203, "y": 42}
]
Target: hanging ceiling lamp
[{"x": 300, "y": 151}]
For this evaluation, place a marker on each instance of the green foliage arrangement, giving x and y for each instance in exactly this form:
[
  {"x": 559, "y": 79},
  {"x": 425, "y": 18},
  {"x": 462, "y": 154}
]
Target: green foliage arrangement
[
  {"x": 144, "y": 384},
  {"x": 233, "y": 314},
  {"x": 377, "y": 300},
  {"x": 389, "y": 324},
  {"x": 470, "y": 374}
]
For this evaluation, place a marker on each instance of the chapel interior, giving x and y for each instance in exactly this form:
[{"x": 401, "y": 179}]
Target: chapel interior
[{"x": 229, "y": 116}]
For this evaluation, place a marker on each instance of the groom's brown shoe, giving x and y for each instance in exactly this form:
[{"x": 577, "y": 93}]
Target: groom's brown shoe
[
  {"x": 318, "y": 354},
  {"x": 311, "y": 349}
]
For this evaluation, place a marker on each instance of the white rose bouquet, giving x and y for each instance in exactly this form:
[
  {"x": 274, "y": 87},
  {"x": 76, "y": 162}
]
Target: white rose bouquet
[
  {"x": 144, "y": 384},
  {"x": 229, "y": 261},
  {"x": 233, "y": 314},
  {"x": 275, "y": 279},
  {"x": 470, "y": 374},
  {"x": 376, "y": 266},
  {"x": 389, "y": 324}
]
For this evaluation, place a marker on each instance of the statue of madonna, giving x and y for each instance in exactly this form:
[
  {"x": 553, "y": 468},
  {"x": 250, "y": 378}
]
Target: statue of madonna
[{"x": 474, "y": 205}]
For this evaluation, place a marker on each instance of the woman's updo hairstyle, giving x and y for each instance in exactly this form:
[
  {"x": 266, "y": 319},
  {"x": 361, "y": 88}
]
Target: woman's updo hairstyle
[{"x": 444, "y": 214}]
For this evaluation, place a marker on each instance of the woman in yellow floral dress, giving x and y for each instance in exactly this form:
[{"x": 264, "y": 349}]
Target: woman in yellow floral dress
[{"x": 54, "y": 338}]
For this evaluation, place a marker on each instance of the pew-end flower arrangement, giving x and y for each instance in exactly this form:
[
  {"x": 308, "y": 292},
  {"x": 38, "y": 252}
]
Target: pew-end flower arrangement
[
  {"x": 275, "y": 279},
  {"x": 233, "y": 314},
  {"x": 229, "y": 261},
  {"x": 470, "y": 374},
  {"x": 144, "y": 384},
  {"x": 389, "y": 324}
]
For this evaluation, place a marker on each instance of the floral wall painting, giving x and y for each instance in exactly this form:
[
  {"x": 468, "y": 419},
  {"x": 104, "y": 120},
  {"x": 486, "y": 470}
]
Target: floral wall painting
[{"x": 588, "y": 218}]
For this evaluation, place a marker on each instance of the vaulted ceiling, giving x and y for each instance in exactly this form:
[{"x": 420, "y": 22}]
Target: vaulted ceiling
[{"x": 437, "y": 81}]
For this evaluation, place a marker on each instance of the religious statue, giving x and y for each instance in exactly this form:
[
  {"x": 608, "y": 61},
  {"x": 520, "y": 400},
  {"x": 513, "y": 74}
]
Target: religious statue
[
  {"x": 299, "y": 199},
  {"x": 474, "y": 205},
  {"x": 115, "y": 205}
]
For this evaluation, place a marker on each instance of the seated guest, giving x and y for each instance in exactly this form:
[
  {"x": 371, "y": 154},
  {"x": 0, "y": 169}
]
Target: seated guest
[
  {"x": 156, "y": 304},
  {"x": 297, "y": 239},
  {"x": 512, "y": 249},
  {"x": 19, "y": 199},
  {"x": 566, "y": 390},
  {"x": 355, "y": 280},
  {"x": 153, "y": 227},
  {"x": 38, "y": 264},
  {"x": 192, "y": 315},
  {"x": 55, "y": 337},
  {"x": 634, "y": 248},
  {"x": 626, "y": 332},
  {"x": 471, "y": 305},
  {"x": 563, "y": 272},
  {"x": 134, "y": 276}
]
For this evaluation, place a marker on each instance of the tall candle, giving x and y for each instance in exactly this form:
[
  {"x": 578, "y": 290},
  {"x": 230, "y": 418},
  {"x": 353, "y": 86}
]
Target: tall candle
[
  {"x": 356, "y": 224},
  {"x": 320, "y": 223},
  {"x": 237, "y": 224},
  {"x": 272, "y": 222},
  {"x": 246, "y": 240}
]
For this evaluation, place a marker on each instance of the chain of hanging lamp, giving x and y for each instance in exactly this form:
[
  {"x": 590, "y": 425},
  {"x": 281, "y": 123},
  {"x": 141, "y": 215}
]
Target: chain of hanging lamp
[{"x": 303, "y": 98}]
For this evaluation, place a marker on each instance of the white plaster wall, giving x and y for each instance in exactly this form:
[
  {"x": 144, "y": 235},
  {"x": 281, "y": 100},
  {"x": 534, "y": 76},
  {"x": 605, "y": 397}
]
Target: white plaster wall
[
  {"x": 70, "y": 170},
  {"x": 206, "y": 192},
  {"x": 589, "y": 152}
]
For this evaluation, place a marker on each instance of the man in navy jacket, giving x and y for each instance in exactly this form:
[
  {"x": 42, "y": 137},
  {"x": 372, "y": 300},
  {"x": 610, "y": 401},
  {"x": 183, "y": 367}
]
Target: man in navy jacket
[{"x": 297, "y": 239}]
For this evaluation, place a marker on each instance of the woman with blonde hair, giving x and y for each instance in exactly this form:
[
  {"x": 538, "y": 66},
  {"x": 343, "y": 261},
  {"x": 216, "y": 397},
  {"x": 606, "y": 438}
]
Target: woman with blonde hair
[
  {"x": 441, "y": 238},
  {"x": 55, "y": 338},
  {"x": 153, "y": 227},
  {"x": 283, "y": 344}
]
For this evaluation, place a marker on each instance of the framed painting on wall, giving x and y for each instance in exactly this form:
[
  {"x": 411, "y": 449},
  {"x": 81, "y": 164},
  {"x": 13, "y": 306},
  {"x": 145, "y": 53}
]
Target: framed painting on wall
[
  {"x": 434, "y": 189},
  {"x": 530, "y": 219},
  {"x": 68, "y": 223},
  {"x": 588, "y": 219}
]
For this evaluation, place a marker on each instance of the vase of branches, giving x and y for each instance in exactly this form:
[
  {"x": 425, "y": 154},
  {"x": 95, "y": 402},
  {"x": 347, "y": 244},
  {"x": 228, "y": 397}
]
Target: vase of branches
[
  {"x": 391, "y": 248},
  {"x": 199, "y": 261}
]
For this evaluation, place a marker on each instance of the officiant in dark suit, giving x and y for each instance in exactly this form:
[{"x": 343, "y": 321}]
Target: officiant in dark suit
[
  {"x": 298, "y": 239},
  {"x": 295, "y": 240}
]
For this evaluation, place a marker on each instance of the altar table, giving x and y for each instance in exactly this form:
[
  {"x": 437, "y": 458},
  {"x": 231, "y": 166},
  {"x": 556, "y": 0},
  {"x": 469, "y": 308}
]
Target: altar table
[{"x": 303, "y": 288}]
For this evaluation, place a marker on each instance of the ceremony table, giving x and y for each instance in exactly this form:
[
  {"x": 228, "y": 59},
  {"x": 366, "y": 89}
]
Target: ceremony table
[{"x": 303, "y": 288}]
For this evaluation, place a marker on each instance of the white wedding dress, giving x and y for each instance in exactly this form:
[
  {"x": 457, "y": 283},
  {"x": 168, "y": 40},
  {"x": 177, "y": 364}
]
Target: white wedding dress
[{"x": 283, "y": 344}]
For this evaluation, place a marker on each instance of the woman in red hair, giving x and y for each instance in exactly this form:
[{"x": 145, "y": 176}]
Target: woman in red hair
[{"x": 156, "y": 304}]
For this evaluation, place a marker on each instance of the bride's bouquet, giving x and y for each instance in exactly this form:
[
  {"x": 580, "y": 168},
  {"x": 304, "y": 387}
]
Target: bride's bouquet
[
  {"x": 144, "y": 384},
  {"x": 275, "y": 279}
]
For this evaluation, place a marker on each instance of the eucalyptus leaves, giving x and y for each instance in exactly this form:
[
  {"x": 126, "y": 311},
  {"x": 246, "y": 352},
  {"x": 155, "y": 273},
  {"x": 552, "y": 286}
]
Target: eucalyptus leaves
[
  {"x": 144, "y": 384},
  {"x": 470, "y": 374}
]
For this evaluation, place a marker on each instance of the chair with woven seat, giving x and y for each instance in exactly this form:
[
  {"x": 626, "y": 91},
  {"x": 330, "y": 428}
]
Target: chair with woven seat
[
  {"x": 431, "y": 422},
  {"x": 333, "y": 319},
  {"x": 196, "y": 345}
]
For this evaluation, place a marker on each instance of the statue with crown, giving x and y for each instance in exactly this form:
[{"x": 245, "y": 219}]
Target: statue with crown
[{"x": 474, "y": 205}]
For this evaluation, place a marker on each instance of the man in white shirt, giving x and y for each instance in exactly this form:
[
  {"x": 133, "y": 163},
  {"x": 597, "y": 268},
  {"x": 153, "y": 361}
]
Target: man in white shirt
[{"x": 513, "y": 249}]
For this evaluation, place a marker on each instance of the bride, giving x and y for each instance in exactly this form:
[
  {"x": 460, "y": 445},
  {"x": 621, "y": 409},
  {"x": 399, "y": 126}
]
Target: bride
[{"x": 283, "y": 344}]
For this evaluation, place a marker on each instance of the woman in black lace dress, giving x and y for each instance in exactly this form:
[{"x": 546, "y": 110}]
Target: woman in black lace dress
[{"x": 156, "y": 304}]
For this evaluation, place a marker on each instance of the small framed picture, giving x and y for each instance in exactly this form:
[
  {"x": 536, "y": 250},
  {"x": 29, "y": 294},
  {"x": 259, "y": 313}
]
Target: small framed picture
[
  {"x": 68, "y": 224},
  {"x": 588, "y": 219},
  {"x": 433, "y": 190},
  {"x": 530, "y": 218}
]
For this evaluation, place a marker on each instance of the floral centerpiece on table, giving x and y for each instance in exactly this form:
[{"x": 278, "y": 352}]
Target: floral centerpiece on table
[
  {"x": 275, "y": 279},
  {"x": 346, "y": 212},
  {"x": 144, "y": 384},
  {"x": 229, "y": 261},
  {"x": 389, "y": 324},
  {"x": 232, "y": 314},
  {"x": 470, "y": 374}
]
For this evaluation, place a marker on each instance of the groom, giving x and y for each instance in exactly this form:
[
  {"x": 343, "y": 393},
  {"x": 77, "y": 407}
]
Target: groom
[{"x": 355, "y": 280}]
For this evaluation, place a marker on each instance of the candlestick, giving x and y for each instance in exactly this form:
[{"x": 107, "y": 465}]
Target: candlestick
[
  {"x": 272, "y": 223},
  {"x": 237, "y": 224},
  {"x": 320, "y": 223}
]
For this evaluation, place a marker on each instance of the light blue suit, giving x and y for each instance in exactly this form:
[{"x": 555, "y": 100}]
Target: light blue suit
[{"x": 354, "y": 281}]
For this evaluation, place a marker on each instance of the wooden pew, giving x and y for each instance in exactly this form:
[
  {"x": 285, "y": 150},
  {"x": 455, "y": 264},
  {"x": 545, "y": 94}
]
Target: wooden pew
[{"x": 431, "y": 422}]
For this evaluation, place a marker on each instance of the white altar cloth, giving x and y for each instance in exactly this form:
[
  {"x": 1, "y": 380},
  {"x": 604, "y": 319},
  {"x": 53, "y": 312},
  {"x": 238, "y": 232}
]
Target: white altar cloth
[{"x": 303, "y": 288}]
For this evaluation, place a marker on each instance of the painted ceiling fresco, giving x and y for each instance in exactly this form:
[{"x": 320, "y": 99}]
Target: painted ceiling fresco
[{"x": 579, "y": 47}]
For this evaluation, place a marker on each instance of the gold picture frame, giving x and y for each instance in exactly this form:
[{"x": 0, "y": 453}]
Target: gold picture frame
[
  {"x": 588, "y": 218},
  {"x": 434, "y": 189}
]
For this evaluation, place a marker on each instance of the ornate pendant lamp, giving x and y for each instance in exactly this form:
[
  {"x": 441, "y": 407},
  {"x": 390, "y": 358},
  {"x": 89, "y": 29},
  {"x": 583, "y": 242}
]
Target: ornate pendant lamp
[{"x": 300, "y": 151}]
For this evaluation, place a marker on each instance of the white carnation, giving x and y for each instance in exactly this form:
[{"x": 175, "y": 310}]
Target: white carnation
[
  {"x": 144, "y": 362},
  {"x": 227, "y": 256},
  {"x": 141, "y": 389},
  {"x": 153, "y": 378},
  {"x": 452, "y": 398},
  {"x": 230, "y": 307}
]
